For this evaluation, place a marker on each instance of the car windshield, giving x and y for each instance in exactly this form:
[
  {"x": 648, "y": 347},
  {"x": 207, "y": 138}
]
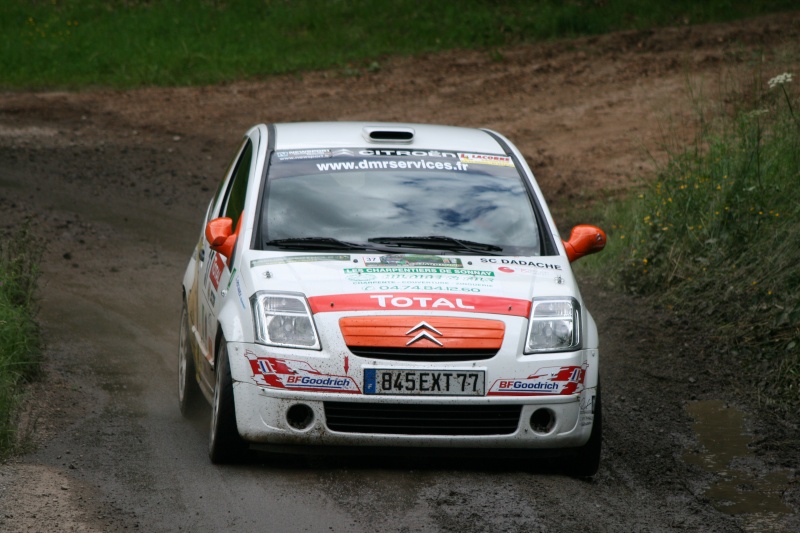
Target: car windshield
[{"x": 453, "y": 203}]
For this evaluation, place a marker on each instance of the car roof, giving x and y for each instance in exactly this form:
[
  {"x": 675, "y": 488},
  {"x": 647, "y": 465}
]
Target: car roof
[{"x": 383, "y": 135}]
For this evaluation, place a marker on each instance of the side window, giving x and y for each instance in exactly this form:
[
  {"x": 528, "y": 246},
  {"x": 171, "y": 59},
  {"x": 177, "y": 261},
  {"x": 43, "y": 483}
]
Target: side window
[
  {"x": 234, "y": 203},
  {"x": 213, "y": 210}
]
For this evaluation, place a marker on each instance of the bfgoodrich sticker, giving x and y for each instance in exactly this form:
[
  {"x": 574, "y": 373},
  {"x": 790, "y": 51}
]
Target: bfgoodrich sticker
[
  {"x": 546, "y": 381},
  {"x": 297, "y": 375}
]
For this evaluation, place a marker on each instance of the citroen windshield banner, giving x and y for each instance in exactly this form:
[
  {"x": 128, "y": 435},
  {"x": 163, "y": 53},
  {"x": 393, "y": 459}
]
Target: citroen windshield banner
[{"x": 355, "y": 159}]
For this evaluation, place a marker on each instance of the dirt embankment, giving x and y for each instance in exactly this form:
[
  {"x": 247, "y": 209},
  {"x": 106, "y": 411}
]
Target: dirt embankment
[{"x": 118, "y": 182}]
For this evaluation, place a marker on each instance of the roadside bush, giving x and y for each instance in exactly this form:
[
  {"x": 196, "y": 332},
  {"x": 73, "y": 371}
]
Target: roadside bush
[
  {"x": 716, "y": 237},
  {"x": 19, "y": 334}
]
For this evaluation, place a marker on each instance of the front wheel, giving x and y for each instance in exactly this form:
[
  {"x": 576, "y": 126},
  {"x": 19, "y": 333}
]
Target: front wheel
[
  {"x": 587, "y": 461},
  {"x": 188, "y": 390},
  {"x": 225, "y": 444}
]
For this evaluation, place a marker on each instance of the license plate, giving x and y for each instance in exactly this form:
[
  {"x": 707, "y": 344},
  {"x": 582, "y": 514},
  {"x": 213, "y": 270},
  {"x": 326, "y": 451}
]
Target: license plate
[{"x": 424, "y": 382}]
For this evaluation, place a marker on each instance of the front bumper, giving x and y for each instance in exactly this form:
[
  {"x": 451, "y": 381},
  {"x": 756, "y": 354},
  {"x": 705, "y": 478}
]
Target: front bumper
[{"x": 268, "y": 413}]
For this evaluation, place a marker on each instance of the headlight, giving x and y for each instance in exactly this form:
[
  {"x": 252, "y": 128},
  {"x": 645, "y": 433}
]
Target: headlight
[
  {"x": 283, "y": 319},
  {"x": 555, "y": 325}
]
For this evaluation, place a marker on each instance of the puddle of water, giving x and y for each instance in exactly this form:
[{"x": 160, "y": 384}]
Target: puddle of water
[{"x": 720, "y": 430}]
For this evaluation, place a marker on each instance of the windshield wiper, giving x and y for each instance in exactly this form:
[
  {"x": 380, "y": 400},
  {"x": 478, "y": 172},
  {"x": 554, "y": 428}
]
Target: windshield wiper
[
  {"x": 323, "y": 243},
  {"x": 440, "y": 242},
  {"x": 306, "y": 243}
]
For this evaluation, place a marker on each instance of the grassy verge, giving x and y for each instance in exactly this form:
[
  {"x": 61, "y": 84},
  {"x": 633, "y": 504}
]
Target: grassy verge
[
  {"x": 716, "y": 238},
  {"x": 127, "y": 43},
  {"x": 19, "y": 334}
]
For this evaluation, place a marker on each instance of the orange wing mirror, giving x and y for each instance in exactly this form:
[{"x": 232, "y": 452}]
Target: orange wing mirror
[
  {"x": 220, "y": 236},
  {"x": 584, "y": 240}
]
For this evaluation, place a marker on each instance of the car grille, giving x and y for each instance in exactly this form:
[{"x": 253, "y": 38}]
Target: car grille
[
  {"x": 423, "y": 355},
  {"x": 424, "y": 339},
  {"x": 422, "y": 419}
]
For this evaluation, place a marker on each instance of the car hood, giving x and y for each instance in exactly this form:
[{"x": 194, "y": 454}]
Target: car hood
[{"x": 360, "y": 282}]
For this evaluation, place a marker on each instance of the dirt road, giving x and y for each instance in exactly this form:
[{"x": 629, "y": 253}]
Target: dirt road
[{"x": 118, "y": 183}]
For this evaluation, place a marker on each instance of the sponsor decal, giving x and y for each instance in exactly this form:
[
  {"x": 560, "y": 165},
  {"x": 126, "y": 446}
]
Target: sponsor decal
[
  {"x": 480, "y": 159},
  {"x": 427, "y": 279},
  {"x": 521, "y": 262},
  {"x": 376, "y": 164},
  {"x": 216, "y": 271},
  {"x": 230, "y": 280},
  {"x": 205, "y": 318},
  {"x": 288, "y": 155},
  {"x": 407, "y": 153},
  {"x": 548, "y": 381},
  {"x": 208, "y": 268},
  {"x": 414, "y": 270},
  {"x": 332, "y": 160},
  {"x": 421, "y": 301},
  {"x": 297, "y": 259},
  {"x": 484, "y": 159},
  {"x": 468, "y": 303},
  {"x": 440, "y": 287},
  {"x": 212, "y": 298},
  {"x": 410, "y": 260},
  {"x": 291, "y": 374},
  {"x": 240, "y": 292}
]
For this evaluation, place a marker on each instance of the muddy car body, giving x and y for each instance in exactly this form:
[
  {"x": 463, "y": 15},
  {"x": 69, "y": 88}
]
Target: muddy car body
[{"x": 388, "y": 285}]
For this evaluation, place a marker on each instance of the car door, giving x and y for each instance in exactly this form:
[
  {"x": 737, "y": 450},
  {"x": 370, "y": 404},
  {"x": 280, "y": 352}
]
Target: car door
[
  {"x": 216, "y": 270},
  {"x": 203, "y": 292}
]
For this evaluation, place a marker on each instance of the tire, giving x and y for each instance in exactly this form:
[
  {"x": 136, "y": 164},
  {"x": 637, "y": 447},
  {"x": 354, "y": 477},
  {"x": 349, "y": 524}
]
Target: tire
[
  {"x": 189, "y": 394},
  {"x": 225, "y": 445},
  {"x": 587, "y": 461}
]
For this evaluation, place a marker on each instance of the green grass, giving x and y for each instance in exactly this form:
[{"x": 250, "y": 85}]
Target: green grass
[
  {"x": 19, "y": 334},
  {"x": 716, "y": 237},
  {"x": 128, "y": 43}
]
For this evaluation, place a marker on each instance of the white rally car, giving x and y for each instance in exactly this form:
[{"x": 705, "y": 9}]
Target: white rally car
[{"x": 388, "y": 285}]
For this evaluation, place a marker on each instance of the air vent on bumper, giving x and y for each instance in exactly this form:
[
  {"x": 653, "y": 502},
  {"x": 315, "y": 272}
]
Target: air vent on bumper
[{"x": 422, "y": 419}]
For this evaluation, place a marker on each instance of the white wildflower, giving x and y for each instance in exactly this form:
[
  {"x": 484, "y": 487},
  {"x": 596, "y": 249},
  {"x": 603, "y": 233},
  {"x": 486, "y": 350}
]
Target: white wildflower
[{"x": 780, "y": 79}]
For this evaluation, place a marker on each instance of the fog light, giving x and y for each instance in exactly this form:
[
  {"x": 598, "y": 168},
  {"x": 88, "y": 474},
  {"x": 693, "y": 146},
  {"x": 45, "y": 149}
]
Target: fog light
[
  {"x": 543, "y": 421},
  {"x": 300, "y": 416}
]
